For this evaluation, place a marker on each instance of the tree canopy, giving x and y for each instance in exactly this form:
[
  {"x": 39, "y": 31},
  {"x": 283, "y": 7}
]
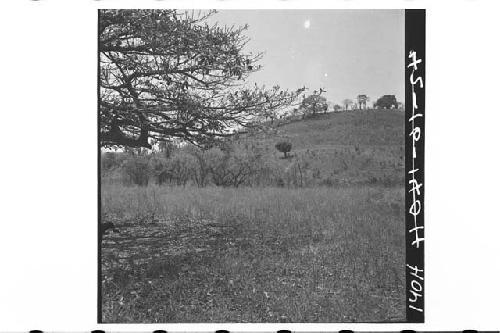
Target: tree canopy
[
  {"x": 313, "y": 104},
  {"x": 167, "y": 75},
  {"x": 387, "y": 102},
  {"x": 284, "y": 147},
  {"x": 347, "y": 102},
  {"x": 362, "y": 100}
]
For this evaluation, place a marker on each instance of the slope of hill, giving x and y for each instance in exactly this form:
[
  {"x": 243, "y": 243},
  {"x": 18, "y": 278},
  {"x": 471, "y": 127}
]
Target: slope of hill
[
  {"x": 358, "y": 146},
  {"x": 367, "y": 128}
]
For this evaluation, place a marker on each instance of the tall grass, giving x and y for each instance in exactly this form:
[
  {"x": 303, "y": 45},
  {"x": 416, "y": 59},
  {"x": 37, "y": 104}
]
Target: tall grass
[{"x": 303, "y": 255}]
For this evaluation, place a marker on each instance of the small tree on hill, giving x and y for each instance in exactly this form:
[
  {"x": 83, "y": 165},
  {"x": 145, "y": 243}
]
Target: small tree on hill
[
  {"x": 313, "y": 104},
  {"x": 387, "y": 102},
  {"x": 284, "y": 146},
  {"x": 362, "y": 100},
  {"x": 347, "y": 102}
]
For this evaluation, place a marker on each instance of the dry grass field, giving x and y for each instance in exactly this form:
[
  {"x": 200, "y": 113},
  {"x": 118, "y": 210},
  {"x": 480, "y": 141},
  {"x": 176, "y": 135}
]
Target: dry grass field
[{"x": 253, "y": 254}]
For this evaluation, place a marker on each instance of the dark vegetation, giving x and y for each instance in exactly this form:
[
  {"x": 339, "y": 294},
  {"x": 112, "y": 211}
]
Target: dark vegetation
[
  {"x": 104, "y": 227},
  {"x": 284, "y": 147},
  {"x": 387, "y": 102}
]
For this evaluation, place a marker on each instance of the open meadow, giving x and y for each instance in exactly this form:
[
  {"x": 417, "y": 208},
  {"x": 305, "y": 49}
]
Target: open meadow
[{"x": 185, "y": 254}]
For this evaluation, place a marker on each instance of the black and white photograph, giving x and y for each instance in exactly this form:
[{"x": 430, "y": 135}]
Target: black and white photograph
[
  {"x": 252, "y": 166},
  {"x": 249, "y": 166}
]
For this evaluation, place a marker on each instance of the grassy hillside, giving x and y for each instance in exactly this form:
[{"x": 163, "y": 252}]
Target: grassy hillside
[
  {"x": 362, "y": 128},
  {"x": 347, "y": 147}
]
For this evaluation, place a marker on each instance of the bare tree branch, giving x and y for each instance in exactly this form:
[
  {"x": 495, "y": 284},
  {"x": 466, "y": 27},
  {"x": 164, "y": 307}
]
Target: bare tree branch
[{"x": 165, "y": 74}]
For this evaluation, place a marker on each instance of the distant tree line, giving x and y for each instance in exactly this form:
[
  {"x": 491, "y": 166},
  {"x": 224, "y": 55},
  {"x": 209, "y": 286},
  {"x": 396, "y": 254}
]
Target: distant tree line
[{"x": 316, "y": 104}]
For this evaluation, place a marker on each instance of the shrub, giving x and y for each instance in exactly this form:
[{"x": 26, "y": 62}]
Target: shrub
[{"x": 284, "y": 146}]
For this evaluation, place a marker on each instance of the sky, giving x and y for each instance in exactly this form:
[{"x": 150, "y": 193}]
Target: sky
[{"x": 345, "y": 52}]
